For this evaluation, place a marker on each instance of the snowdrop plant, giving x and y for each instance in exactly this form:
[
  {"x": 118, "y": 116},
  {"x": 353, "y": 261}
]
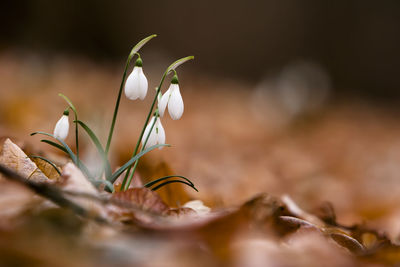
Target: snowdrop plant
[{"x": 152, "y": 135}]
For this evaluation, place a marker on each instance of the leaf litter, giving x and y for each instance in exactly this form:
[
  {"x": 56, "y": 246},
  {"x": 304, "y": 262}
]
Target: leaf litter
[
  {"x": 264, "y": 230},
  {"x": 140, "y": 227}
]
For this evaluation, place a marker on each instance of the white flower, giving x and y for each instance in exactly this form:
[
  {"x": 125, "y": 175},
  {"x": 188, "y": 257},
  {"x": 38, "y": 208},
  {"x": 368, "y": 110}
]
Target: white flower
[
  {"x": 157, "y": 135},
  {"x": 62, "y": 127},
  {"x": 173, "y": 98},
  {"x": 136, "y": 84}
]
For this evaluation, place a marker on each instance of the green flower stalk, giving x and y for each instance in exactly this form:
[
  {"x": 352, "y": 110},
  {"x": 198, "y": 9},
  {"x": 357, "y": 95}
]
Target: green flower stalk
[{"x": 134, "y": 51}]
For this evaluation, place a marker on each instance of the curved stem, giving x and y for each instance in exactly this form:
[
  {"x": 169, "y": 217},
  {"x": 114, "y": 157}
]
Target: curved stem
[
  {"x": 127, "y": 181},
  {"x": 72, "y": 107},
  {"x": 117, "y": 103},
  {"x": 133, "y": 52}
]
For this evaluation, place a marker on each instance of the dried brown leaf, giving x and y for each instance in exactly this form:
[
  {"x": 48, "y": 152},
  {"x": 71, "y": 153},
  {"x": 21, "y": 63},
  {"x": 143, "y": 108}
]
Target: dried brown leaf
[
  {"x": 14, "y": 158},
  {"x": 144, "y": 198},
  {"x": 47, "y": 169},
  {"x": 73, "y": 180},
  {"x": 346, "y": 241}
]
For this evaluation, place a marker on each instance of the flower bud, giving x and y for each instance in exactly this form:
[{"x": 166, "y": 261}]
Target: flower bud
[{"x": 62, "y": 126}]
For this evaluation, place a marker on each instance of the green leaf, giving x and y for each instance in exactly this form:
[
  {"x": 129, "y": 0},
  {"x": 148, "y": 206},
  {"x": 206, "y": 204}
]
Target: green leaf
[
  {"x": 131, "y": 161},
  {"x": 139, "y": 45},
  {"x": 48, "y": 161},
  {"x": 54, "y": 144},
  {"x": 100, "y": 150},
  {"x": 174, "y": 181},
  {"x": 177, "y": 63},
  {"x": 68, "y": 150},
  {"x": 165, "y": 178}
]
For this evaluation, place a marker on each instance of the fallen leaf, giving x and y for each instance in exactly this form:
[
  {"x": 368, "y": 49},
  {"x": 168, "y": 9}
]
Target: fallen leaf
[
  {"x": 348, "y": 242},
  {"x": 14, "y": 158},
  {"x": 72, "y": 180},
  {"x": 143, "y": 198},
  {"x": 46, "y": 168}
]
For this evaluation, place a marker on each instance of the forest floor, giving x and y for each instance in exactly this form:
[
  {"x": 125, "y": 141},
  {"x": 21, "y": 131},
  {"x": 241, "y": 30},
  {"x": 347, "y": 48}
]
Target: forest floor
[{"x": 305, "y": 189}]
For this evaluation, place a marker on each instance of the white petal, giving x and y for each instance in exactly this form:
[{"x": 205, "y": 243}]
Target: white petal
[
  {"x": 162, "y": 104},
  {"x": 160, "y": 133},
  {"x": 143, "y": 85},
  {"x": 153, "y": 138},
  {"x": 132, "y": 90},
  {"x": 175, "y": 103},
  {"x": 62, "y": 128}
]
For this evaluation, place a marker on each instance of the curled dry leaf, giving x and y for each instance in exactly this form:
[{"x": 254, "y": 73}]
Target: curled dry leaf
[
  {"x": 142, "y": 198},
  {"x": 296, "y": 222},
  {"x": 295, "y": 210},
  {"x": 46, "y": 168},
  {"x": 348, "y": 242},
  {"x": 14, "y": 158}
]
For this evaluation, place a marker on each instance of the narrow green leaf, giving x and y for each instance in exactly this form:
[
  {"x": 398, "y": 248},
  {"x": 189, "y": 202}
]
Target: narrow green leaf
[
  {"x": 48, "y": 161},
  {"x": 100, "y": 150},
  {"x": 177, "y": 63},
  {"x": 174, "y": 181},
  {"x": 54, "y": 144},
  {"x": 131, "y": 161},
  {"x": 68, "y": 150},
  {"x": 139, "y": 45},
  {"x": 165, "y": 178}
]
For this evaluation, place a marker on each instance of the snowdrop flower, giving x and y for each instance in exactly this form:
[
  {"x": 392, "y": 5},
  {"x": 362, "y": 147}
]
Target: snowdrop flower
[
  {"x": 62, "y": 126},
  {"x": 157, "y": 135},
  {"x": 173, "y": 98},
  {"x": 136, "y": 84}
]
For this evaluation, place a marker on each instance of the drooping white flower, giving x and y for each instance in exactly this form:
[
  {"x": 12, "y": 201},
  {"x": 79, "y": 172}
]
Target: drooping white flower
[
  {"x": 136, "y": 83},
  {"x": 157, "y": 135},
  {"x": 173, "y": 98},
  {"x": 62, "y": 126}
]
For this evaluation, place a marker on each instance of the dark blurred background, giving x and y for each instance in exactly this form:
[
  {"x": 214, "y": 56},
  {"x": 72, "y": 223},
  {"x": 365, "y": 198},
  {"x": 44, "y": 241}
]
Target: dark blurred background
[{"x": 356, "y": 42}]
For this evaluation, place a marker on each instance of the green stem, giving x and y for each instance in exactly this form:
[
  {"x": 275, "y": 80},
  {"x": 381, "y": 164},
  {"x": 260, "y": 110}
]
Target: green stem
[
  {"x": 72, "y": 107},
  {"x": 127, "y": 181},
  {"x": 117, "y": 104}
]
